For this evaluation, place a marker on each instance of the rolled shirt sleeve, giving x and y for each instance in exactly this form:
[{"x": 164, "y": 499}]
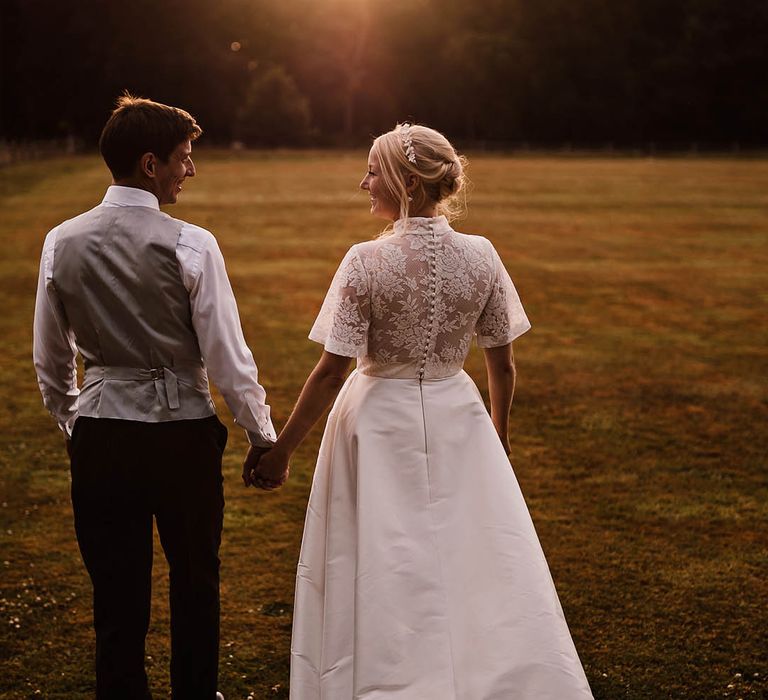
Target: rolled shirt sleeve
[{"x": 216, "y": 321}]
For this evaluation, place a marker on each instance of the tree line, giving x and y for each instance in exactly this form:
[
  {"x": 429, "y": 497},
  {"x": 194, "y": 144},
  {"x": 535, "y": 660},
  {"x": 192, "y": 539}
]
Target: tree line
[{"x": 325, "y": 72}]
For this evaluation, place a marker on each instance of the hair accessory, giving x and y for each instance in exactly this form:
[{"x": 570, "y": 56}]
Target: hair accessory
[{"x": 405, "y": 132}]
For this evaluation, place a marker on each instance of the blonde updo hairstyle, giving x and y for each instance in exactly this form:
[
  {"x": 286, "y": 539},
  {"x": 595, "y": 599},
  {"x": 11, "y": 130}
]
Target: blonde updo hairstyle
[{"x": 438, "y": 168}]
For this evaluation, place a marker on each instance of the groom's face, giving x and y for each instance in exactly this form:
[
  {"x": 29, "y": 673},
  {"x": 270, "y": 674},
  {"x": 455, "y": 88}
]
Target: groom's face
[{"x": 170, "y": 176}]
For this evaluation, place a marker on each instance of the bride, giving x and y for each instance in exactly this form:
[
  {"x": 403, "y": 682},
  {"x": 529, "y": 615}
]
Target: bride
[{"x": 420, "y": 575}]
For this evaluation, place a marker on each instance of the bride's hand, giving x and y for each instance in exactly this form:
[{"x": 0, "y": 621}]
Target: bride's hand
[{"x": 272, "y": 470}]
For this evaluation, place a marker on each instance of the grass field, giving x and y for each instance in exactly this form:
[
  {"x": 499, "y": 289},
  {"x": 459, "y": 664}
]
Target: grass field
[{"x": 639, "y": 423}]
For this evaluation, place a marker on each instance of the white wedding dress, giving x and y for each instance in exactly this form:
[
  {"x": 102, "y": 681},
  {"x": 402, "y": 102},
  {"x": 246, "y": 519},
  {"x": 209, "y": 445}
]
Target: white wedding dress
[{"x": 421, "y": 576}]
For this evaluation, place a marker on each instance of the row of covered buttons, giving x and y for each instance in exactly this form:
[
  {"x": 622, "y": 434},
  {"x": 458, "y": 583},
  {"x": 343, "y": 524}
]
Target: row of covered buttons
[{"x": 431, "y": 249}]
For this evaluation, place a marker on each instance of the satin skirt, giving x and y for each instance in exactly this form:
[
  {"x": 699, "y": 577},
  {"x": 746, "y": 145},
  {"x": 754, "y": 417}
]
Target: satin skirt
[{"x": 420, "y": 575}]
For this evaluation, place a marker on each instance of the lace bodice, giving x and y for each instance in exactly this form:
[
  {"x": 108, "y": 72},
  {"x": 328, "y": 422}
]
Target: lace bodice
[{"x": 408, "y": 304}]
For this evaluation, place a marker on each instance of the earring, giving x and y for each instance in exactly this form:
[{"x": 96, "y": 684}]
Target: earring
[{"x": 410, "y": 198}]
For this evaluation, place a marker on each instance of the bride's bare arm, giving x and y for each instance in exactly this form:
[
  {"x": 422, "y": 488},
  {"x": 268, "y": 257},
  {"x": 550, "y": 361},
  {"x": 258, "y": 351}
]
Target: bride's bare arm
[
  {"x": 500, "y": 365},
  {"x": 319, "y": 391}
]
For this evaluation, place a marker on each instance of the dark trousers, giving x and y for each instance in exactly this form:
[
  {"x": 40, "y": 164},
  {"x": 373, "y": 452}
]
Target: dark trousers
[{"x": 124, "y": 473}]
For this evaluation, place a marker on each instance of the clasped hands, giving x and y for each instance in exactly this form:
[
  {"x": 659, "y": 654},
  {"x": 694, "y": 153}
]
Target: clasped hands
[{"x": 265, "y": 467}]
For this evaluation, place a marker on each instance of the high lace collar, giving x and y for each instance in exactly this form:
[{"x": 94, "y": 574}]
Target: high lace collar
[{"x": 421, "y": 225}]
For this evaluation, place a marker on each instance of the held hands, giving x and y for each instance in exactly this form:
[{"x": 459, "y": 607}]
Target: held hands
[
  {"x": 251, "y": 462},
  {"x": 265, "y": 468}
]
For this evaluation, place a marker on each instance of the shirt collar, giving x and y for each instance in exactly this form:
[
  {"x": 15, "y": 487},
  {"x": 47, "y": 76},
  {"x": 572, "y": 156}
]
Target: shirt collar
[{"x": 120, "y": 196}]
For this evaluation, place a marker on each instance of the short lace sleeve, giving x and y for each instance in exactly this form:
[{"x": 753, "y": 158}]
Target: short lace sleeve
[
  {"x": 503, "y": 318},
  {"x": 342, "y": 324}
]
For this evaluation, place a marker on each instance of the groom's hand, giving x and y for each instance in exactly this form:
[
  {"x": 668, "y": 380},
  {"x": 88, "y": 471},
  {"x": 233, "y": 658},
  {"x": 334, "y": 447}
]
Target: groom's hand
[
  {"x": 251, "y": 462},
  {"x": 272, "y": 470}
]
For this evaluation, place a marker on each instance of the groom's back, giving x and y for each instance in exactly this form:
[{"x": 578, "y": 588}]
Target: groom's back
[
  {"x": 117, "y": 276},
  {"x": 117, "y": 279}
]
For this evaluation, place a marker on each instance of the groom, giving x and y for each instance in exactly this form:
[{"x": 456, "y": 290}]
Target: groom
[{"x": 145, "y": 300}]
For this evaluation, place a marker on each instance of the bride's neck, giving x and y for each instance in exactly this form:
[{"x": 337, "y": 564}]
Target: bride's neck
[{"x": 429, "y": 211}]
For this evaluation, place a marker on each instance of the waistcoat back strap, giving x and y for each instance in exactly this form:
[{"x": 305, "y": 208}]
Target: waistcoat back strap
[{"x": 161, "y": 376}]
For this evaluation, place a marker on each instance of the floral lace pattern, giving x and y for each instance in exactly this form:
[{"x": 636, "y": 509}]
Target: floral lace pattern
[{"x": 408, "y": 304}]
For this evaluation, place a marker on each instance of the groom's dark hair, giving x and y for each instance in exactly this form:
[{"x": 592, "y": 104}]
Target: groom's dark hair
[{"x": 138, "y": 126}]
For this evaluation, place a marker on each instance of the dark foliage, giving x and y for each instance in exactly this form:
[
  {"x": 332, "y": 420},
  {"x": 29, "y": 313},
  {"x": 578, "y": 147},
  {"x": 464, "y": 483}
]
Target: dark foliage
[{"x": 497, "y": 71}]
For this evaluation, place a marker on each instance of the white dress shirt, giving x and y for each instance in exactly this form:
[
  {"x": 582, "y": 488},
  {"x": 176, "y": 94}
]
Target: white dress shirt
[{"x": 215, "y": 320}]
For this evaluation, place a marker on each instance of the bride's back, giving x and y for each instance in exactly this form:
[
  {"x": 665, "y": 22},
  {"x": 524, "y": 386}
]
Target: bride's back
[{"x": 408, "y": 304}]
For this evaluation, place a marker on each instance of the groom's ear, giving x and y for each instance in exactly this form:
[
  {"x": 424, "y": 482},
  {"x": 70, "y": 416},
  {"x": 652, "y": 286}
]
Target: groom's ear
[{"x": 147, "y": 164}]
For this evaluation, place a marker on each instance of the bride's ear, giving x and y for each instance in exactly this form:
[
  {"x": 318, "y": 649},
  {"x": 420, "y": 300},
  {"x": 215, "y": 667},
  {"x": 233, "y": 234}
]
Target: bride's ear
[{"x": 411, "y": 183}]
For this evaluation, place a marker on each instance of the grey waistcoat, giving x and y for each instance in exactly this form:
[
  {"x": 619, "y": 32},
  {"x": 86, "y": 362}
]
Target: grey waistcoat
[{"x": 117, "y": 276}]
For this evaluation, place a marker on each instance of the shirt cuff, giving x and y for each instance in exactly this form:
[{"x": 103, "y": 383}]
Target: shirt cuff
[
  {"x": 265, "y": 438},
  {"x": 68, "y": 426}
]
